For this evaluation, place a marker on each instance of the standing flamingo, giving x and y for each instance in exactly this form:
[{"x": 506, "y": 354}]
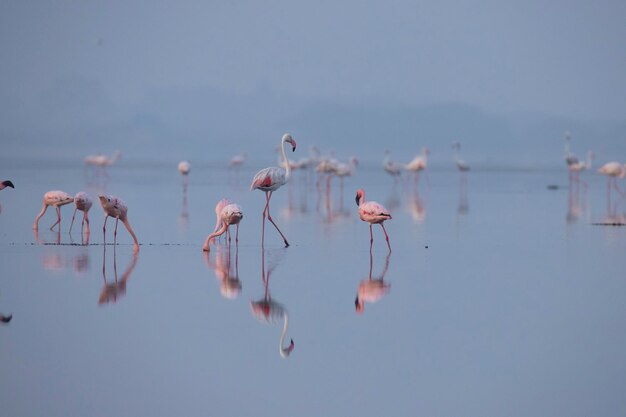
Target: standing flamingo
[
  {"x": 419, "y": 163},
  {"x": 613, "y": 170},
  {"x": 461, "y": 165},
  {"x": 100, "y": 160},
  {"x": 230, "y": 213},
  {"x": 238, "y": 160},
  {"x": 270, "y": 179},
  {"x": 392, "y": 168},
  {"x": 57, "y": 199},
  {"x": 372, "y": 289},
  {"x": 373, "y": 213},
  {"x": 115, "y": 207},
  {"x": 577, "y": 167},
  {"x": 184, "y": 167},
  {"x": 5, "y": 184},
  {"x": 83, "y": 203}
]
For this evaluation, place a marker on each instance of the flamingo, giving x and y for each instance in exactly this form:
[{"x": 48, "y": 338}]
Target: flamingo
[
  {"x": 343, "y": 170},
  {"x": 270, "y": 179},
  {"x": 392, "y": 168},
  {"x": 372, "y": 289},
  {"x": 57, "y": 199},
  {"x": 5, "y": 184},
  {"x": 184, "y": 167},
  {"x": 269, "y": 311},
  {"x": 570, "y": 158},
  {"x": 238, "y": 160},
  {"x": 100, "y": 160},
  {"x": 373, "y": 213},
  {"x": 461, "y": 165},
  {"x": 115, "y": 207},
  {"x": 419, "y": 163},
  {"x": 83, "y": 203},
  {"x": 230, "y": 213},
  {"x": 613, "y": 170},
  {"x": 577, "y": 167}
]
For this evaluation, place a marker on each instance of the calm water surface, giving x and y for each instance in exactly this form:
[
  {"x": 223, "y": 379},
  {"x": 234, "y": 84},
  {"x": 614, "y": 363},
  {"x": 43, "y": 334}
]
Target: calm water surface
[{"x": 503, "y": 299}]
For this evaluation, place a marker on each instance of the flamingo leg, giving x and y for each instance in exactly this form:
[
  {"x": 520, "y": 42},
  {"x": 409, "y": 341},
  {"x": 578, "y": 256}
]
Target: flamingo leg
[
  {"x": 86, "y": 221},
  {"x": 117, "y": 220},
  {"x": 267, "y": 202},
  {"x": 58, "y": 218},
  {"x": 269, "y": 217},
  {"x": 72, "y": 223},
  {"x": 371, "y": 238},
  {"x": 237, "y": 234},
  {"x": 386, "y": 236},
  {"x": 104, "y": 230}
]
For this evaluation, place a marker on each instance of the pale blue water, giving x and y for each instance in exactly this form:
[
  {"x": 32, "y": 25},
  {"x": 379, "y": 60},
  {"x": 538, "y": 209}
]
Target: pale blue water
[{"x": 509, "y": 302}]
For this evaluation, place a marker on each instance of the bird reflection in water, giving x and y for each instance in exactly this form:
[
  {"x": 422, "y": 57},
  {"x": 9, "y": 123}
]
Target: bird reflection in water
[
  {"x": 112, "y": 291},
  {"x": 576, "y": 205},
  {"x": 417, "y": 207},
  {"x": 230, "y": 284},
  {"x": 372, "y": 289},
  {"x": 269, "y": 311},
  {"x": 184, "y": 167},
  {"x": 56, "y": 259}
]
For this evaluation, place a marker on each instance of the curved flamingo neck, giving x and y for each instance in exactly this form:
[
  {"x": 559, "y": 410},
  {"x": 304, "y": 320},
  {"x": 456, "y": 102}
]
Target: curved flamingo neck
[{"x": 285, "y": 160}]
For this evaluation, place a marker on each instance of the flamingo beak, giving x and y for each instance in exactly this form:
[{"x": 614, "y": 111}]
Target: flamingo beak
[
  {"x": 357, "y": 199},
  {"x": 287, "y": 351},
  {"x": 293, "y": 145},
  {"x": 6, "y": 319},
  {"x": 8, "y": 183}
]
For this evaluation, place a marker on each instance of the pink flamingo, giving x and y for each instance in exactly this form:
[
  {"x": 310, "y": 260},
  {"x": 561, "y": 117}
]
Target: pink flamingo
[
  {"x": 115, "y": 207},
  {"x": 613, "y": 170},
  {"x": 270, "y": 179},
  {"x": 373, "y": 213},
  {"x": 83, "y": 203},
  {"x": 419, "y": 163},
  {"x": 56, "y": 199},
  {"x": 392, "y": 168},
  {"x": 372, "y": 289},
  {"x": 5, "y": 184},
  {"x": 230, "y": 284},
  {"x": 230, "y": 213}
]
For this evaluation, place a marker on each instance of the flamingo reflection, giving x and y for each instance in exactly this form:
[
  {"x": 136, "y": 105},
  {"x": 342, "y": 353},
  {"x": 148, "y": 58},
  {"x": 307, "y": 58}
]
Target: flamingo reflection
[
  {"x": 112, "y": 291},
  {"x": 230, "y": 284},
  {"x": 269, "y": 311},
  {"x": 372, "y": 289}
]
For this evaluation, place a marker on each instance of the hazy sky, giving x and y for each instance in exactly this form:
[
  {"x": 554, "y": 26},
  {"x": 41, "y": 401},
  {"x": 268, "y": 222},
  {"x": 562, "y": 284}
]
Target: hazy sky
[{"x": 562, "y": 58}]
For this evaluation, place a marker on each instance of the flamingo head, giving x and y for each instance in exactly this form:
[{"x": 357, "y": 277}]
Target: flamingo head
[
  {"x": 7, "y": 183},
  {"x": 456, "y": 145},
  {"x": 354, "y": 161},
  {"x": 6, "y": 319},
  {"x": 287, "y": 138},
  {"x": 360, "y": 194},
  {"x": 284, "y": 352},
  {"x": 358, "y": 305},
  {"x": 425, "y": 151}
]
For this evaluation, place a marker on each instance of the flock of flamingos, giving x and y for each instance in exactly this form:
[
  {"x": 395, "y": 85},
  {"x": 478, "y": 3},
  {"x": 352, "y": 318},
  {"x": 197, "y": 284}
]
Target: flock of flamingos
[{"x": 271, "y": 179}]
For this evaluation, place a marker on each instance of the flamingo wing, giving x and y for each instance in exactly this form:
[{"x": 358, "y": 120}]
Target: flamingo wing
[{"x": 268, "y": 179}]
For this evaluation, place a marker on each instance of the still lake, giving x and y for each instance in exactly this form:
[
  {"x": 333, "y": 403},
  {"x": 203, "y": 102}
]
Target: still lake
[{"x": 504, "y": 298}]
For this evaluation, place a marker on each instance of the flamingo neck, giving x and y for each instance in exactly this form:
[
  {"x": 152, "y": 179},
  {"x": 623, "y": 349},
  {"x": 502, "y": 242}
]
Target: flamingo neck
[{"x": 285, "y": 160}]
